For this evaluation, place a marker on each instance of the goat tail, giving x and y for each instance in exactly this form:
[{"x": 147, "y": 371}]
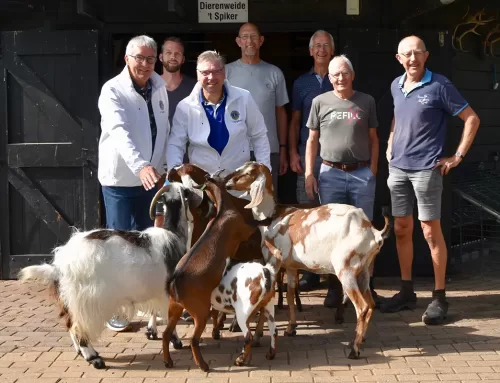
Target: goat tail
[
  {"x": 171, "y": 287},
  {"x": 389, "y": 223},
  {"x": 269, "y": 276},
  {"x": 45, "y": 273}
]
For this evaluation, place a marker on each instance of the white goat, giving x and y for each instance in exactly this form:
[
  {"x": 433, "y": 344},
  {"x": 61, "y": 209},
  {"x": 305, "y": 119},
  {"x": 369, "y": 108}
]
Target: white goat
[
  {"x": 99, "y": 273},
  {"x": 330, "y": 239}
]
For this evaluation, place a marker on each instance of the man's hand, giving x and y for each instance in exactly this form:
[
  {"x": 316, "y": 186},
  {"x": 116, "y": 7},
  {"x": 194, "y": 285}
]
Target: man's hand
[
  {"x": 374, "y": 169},
  {"x": 295, "y": 162},
  {"x": 388, "y": 154},
  {"x": 311, "y": 186},
  {"x": 149, "y": 177},
  {"x": 283, "y": 162},
  {"x": 448, "y": 163}
]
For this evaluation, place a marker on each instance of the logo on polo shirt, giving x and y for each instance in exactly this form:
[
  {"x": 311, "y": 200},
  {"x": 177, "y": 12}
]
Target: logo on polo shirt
[
  {"x": 162, "y": 106},
  {"x": 235, "y": 115},
  {"x": 349, "y": 115},
  {"x": 424, "y": 100}
]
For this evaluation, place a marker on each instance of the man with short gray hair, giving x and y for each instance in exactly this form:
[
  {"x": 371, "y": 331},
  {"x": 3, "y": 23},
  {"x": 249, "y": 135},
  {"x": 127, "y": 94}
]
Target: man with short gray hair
[
  {"x": 134, "y": 131},
  {"x": 345, "y": 122},
  {"x": 219, "y": 121}
]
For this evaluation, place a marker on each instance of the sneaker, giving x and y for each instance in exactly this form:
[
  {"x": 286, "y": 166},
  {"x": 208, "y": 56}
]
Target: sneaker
[
  {"x": 376, "y": 298},
  {"x": 117, "y": 324},
  {"x": 186, "y": 317},
  {"x": 400, "y": 301},
  {"x": 436, "y": 312}
]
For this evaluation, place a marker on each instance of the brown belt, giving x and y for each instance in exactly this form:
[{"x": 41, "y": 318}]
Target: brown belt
[{"x": 346, "y": 167}]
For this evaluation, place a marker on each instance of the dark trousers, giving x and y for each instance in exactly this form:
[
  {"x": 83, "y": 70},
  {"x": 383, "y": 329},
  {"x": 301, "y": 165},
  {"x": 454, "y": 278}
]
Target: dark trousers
[{"x": 127, "y": 208}]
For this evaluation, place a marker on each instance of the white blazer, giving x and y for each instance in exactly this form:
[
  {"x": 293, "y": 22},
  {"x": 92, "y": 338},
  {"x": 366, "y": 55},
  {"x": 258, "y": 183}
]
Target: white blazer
[
  {"x": 125, "y": 146},
  {"x": 243, "y": 120}
]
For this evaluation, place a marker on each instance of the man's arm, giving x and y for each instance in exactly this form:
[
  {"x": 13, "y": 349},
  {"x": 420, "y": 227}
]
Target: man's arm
[
  {"x": 178, "y": 138},
  {"x": 282, "y": 122},
  {"x": 388, "y": 153},
  {"x": 293, "y": 141},
  {"x": 471, "y": 125},
  {"x": 257, "y": 132},
  {"x": 311, "y": 153},
  {"x": 374, "y": 150}
]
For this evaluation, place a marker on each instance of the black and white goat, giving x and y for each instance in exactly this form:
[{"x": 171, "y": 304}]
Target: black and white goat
[{"x": 102, "y": 272}]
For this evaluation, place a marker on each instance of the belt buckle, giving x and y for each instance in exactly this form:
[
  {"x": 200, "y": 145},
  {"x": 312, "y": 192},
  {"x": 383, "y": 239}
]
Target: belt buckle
[{"x": 344, "y": 167}]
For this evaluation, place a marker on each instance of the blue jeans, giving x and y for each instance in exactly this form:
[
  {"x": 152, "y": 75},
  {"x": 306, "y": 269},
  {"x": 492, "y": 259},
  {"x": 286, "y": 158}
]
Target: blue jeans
[
  {"x": 355, "y": 188},
  {"x": 127, "y": 208}
]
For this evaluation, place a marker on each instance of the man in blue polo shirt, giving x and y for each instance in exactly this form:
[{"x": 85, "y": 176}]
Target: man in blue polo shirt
[
  {"x": 305, "y": 88},
  {"x": 423, "y": 102}
]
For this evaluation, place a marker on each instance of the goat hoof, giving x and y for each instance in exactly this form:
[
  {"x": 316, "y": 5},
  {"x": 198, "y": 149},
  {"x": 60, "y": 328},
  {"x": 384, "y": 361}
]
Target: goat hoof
[
  {"x": 151, "y": 334},
  {"x": 353, "y": 354},
  {"x": 98, "y": 363},
  {"x": 240, "y": 360},
  {"x": 204, "y": 367},
  {"x": 271, "y": 354},
  {"x": 168, "y": 363},
  {"x": 290, "y": 333},
  {"x": 215, "y": 335},
  {"x": 235, "y": 327},
  {"x": 177, "y": 344}
]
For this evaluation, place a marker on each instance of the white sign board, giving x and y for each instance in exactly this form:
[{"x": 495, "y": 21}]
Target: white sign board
[{"x": 222, "y": 11}]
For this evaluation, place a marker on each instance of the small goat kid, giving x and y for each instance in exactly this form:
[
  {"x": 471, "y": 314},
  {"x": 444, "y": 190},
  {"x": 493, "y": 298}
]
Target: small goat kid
[
  {"x": 101, "y": 272},
  {"x": 330, "y": 239},
  {"x": 200, "y": 271}
]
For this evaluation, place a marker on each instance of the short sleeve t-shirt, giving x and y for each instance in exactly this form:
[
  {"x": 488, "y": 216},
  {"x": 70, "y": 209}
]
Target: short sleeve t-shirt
[
  {"x": 344, "y": 126},
  {"x": 267, "y": 85},
  {"x": 421, "y": 116},
  {"x": 181, "y": 92}
]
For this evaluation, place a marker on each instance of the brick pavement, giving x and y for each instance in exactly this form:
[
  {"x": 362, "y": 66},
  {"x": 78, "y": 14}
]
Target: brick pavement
[{"x": 400, "y": 348}]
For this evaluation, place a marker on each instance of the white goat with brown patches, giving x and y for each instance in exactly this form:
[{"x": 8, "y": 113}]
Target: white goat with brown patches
[
  {"x": 245, "y": 289},
  {"x": 330, "y": 239}
]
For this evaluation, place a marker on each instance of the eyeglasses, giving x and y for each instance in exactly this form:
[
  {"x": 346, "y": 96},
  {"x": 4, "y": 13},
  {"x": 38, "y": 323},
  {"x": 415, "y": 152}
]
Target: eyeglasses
[
  {"x": 251, "y": 37},
  {"x": 206, "y": 73},
  {"x": 140, "y": 59},
  {"x": 319, "y": 46},
  {"x": 337, "y": 75},
  {"x": 416, "y": 53}
]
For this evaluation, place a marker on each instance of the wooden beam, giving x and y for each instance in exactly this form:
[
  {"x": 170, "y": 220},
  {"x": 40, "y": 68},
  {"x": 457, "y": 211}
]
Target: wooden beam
[{"x": 57, "y": 154}]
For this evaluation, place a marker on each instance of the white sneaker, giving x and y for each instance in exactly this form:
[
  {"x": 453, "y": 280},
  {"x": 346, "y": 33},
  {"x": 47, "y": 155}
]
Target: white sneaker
[{"x": 117, "y": 324}]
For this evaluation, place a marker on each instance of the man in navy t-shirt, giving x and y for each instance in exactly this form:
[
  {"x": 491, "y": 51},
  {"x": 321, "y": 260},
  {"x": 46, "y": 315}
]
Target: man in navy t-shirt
[{"x": 423, "y": 103}]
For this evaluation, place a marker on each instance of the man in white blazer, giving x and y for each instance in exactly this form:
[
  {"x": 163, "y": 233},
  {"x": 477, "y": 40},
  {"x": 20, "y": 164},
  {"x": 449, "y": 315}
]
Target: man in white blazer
[
  {"x": 220, "y": 122},
  {"x": 134, "y": 131}
]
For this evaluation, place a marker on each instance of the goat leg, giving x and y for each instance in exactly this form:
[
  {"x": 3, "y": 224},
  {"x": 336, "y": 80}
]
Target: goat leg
[
  {"x": 361, "y": 307},
  {"x": 298, "y": 302},
  {"x": 215, "y": 324},
  {"x": 85, "y": 349},
  {"x": 200, "y": 316},
  {"x": 174, "y": 313},
  {"x": 234, "y": 326},
  {"x": 273, "y": 332},
  {"x": 291, "y": 329},
  {"x": 259, "y": 330},
  {"x": 245, "y": 355},
  {"x": 152, "y": 330},
  {"x": 279, "y": 282}
]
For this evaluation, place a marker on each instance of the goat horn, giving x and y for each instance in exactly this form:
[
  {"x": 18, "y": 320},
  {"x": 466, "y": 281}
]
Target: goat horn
[
  {"x": 157, "y": 196},
  {"x": 217, "y": 173}
]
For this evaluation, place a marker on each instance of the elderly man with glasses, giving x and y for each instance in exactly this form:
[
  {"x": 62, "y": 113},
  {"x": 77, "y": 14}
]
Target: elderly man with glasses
[
  {"x": 345, "y": 122},
  {"x": 219, "y": 121},
  {"x": 423, "y": 103},
  {"x": 134, "y": 131}
]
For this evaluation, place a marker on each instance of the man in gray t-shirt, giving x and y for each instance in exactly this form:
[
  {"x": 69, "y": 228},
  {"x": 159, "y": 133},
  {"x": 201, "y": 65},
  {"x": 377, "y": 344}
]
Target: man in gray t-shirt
[
  {"x": 345, "y": 122},
  {"x": 266, "y": 84}
]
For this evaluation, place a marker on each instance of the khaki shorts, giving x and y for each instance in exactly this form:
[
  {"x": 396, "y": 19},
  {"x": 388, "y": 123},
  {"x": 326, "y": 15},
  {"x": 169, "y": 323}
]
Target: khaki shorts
[{"x": 424, "y": 185}]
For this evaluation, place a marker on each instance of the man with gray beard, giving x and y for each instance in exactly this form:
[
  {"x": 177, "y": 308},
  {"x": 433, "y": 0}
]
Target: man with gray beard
[{"x": 179, "y": 86}]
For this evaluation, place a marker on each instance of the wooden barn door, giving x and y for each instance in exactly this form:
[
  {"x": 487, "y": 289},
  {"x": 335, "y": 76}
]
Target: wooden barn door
[{"x": 49, "y": 130}]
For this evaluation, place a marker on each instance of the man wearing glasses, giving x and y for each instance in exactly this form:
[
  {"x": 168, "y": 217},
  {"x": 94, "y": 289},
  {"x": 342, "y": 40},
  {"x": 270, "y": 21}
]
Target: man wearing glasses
[
  {"x": 134, "y": 131},
  {"x": 266, "y": 84},
  {"x": 423, "y": 102},
  {"x": 219, "y": 121},
  {"x": 344, "y": 122}
]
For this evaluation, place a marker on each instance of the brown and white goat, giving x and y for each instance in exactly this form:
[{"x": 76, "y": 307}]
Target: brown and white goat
[
  {"x": 199, "y": 272},
  {"x": 330, "y": 239},
  {"x": 103, "y": 272}
]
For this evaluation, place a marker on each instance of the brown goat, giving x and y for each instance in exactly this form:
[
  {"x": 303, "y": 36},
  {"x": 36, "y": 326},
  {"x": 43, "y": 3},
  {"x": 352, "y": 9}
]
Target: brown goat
[{"x": 200, "y": 270}]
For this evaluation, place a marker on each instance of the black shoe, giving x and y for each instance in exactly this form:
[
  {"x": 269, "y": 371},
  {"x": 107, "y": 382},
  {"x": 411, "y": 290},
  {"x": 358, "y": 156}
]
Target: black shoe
[
  {"x": 333, "y": 298},
  {"x": 400, "y": 301},
  {"x": 436, "y": 311},
  {"x": 309, "y": 281},
  {"x": 186, "y": 317},
  {"x": 376, "y": 298}
]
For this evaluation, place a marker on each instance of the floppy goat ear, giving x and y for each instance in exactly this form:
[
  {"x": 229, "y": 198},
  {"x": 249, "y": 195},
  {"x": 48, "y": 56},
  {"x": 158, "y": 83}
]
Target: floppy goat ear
[{"x": 257, "y": 190}]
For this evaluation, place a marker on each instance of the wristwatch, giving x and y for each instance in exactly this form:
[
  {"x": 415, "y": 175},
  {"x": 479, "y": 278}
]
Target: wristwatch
[{"x": 459, "y": 154}]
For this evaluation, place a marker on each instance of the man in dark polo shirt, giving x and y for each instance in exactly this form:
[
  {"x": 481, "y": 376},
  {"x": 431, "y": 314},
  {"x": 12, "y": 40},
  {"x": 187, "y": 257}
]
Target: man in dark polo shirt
[
  {"x": 423, "y": 103},
  {"x": 305, "y": 88},
  {"x": 344, "y": 122}
]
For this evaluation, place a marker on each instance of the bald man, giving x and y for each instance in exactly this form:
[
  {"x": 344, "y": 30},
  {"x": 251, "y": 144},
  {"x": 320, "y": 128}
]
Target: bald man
[
  {"x": 423, "y": 103},
  {"x": 266, "y": 84}
]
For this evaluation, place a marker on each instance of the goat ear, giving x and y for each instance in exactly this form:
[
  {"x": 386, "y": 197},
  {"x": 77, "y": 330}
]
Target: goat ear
[
  {"x": 257, "y": 190},
  {"x": 194, "y": 197}
]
